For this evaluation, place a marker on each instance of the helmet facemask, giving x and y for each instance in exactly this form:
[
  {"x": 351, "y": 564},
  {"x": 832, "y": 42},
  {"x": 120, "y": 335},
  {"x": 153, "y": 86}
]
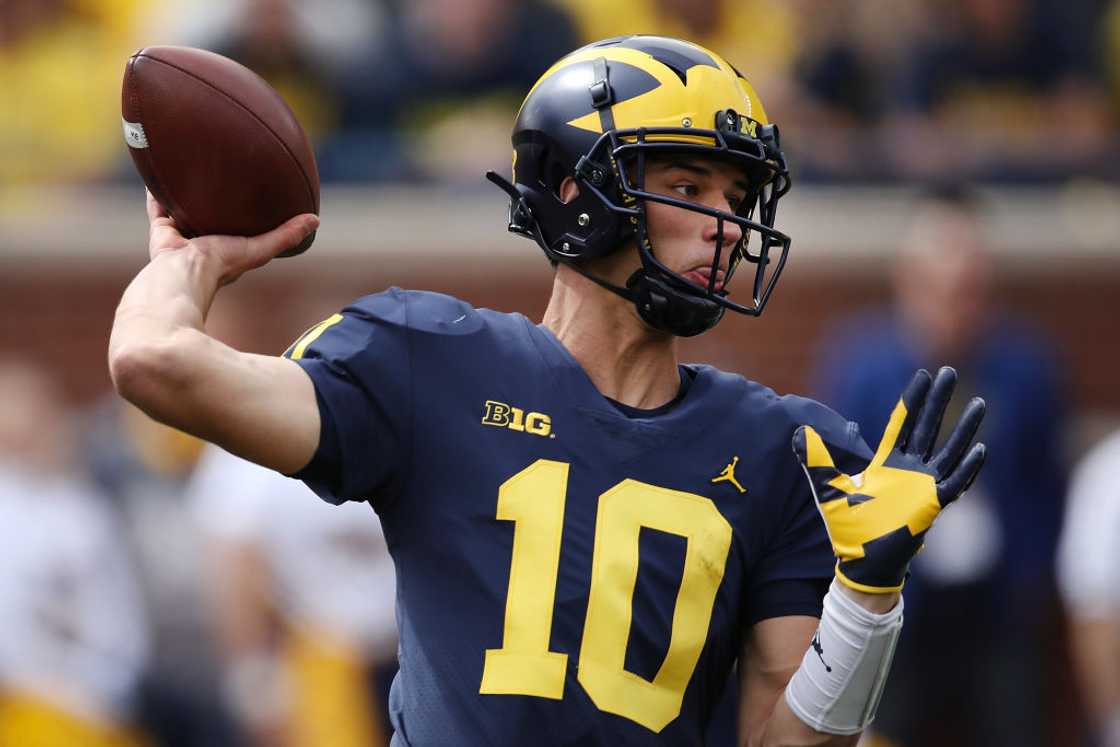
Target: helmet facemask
[
  {"x": 664, "y": 298},
  {"x": 598, "y": 116}
]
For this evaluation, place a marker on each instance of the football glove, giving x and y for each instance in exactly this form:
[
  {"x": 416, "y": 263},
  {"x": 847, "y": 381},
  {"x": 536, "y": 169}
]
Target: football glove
[{"x": 878, "y": 518}]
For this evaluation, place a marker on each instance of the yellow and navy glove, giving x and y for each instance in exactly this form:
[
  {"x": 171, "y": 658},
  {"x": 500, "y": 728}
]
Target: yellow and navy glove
[{"x": 878, "y": 518}]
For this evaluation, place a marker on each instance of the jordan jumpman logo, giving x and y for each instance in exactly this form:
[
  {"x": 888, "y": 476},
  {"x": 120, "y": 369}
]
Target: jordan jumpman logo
[{"x": 728, "y": 475}]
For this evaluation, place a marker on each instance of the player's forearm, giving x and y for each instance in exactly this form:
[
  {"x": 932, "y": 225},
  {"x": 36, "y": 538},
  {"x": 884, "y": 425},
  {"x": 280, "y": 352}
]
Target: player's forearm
[
  {"x": 784, "y": 729},
  {"x": 159, "y": 319},
  {"x": 174, "y": 291},
  {"x": 836, "y": 689},
  {"x": 262, "y": 408}
]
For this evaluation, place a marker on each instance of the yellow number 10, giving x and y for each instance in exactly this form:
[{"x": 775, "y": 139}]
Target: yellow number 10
[{"x": 534, "y": 499}]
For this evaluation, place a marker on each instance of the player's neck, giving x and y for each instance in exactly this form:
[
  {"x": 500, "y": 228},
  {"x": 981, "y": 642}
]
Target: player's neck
[{"x": 625, "y": 359}]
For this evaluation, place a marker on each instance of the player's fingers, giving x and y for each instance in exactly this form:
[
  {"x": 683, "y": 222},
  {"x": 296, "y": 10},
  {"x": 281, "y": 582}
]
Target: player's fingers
[
  {"x": 286, "y": 236},
  {"x": 155, "y": 210},
  {"x": 928, "y": 423},
  {"x": 902, "y": 418},
  {"x": 960, "y": 479},
  {"x": 945, "y": 461},
  {"x": 163, "y": 234}
]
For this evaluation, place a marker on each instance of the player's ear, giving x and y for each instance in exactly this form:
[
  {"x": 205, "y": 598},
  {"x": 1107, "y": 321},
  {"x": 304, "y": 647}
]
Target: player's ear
[{"x": 569, "y": 190}]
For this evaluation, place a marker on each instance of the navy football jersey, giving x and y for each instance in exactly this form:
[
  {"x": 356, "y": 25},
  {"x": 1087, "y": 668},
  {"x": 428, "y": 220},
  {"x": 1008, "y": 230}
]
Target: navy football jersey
[{"x": 568, "y": 573}]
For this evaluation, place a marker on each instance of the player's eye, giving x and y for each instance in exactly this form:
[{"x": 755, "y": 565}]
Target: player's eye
[
  {"x": 686, "y": 190},
  {"x": 734, "y": 201}
]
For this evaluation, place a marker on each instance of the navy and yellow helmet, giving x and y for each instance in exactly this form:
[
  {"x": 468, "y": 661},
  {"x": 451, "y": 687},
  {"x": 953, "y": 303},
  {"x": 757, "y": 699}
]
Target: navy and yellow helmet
[{"x": 595, "y": 116}]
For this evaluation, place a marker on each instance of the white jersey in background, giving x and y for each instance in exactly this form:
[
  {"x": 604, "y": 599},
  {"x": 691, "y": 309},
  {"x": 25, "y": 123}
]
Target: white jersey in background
[
  {"x": 332, "y": 569},
  {"x": 74, "y": 629},
  {"x": 1089, "y": 552}
]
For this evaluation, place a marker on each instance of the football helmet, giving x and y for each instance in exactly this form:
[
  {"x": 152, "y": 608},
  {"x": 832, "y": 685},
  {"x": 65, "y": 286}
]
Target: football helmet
[{"x": 596, "y": 116}]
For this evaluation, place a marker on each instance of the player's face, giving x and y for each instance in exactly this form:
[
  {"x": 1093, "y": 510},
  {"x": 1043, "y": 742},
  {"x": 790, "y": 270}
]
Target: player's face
[{"x": 684, "y": 240}]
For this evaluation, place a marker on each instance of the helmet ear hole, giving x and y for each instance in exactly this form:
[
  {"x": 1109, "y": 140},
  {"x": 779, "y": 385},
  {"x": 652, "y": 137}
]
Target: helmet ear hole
[{"x": 556, "y": 174}]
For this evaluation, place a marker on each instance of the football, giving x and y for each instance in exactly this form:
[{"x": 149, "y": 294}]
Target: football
[{"x": 216, "y": 144}]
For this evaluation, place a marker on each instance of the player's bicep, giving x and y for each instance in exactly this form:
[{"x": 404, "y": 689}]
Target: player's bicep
[
  {"x": 259, "y": 407},
  {"x": 771, "y": 653}
]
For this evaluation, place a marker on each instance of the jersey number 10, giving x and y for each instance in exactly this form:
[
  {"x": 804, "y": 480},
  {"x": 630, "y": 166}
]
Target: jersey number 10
[{"x": 534, "y": 499}]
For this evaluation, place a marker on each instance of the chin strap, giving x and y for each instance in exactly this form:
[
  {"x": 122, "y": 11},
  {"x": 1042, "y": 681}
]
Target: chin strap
[
  {"x": 618, "y": 291},
  {"x": 658, "y": 303},
  {"x": 660, "y": 306},
  {"x": 663, "y": 307}
]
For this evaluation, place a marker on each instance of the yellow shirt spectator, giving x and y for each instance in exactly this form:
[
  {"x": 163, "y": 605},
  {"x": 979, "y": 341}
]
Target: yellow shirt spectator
[
  {"x": 61, "y": 63},
  {"x": 761, "y": 31}
]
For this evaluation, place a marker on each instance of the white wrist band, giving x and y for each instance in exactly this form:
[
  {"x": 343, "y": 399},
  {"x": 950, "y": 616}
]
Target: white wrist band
[{"x": 836, "y": 689}]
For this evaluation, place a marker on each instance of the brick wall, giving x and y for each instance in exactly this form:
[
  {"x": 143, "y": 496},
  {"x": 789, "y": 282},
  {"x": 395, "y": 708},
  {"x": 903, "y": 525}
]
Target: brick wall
[{"x": 61, "y": 315}]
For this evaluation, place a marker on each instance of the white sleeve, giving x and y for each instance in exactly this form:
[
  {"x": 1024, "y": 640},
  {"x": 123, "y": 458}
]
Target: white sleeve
[
  {"x": 1089, "y": 551},
  {"x": 74, "y": 626},
  {"x": 114, "y": 648},
  {"x": 228, "y": 495}
]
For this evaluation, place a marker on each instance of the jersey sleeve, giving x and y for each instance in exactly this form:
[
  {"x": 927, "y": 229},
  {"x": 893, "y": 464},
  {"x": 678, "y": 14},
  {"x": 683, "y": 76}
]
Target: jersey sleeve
[
  {"x": 797, "y": 566},
  {"x": 359, "y": 361}
]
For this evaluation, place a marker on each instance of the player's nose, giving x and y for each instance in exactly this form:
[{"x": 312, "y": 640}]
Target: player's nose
[{"x": 731, "y": 232}]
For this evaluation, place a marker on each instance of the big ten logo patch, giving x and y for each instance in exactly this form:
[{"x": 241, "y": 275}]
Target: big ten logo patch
[{"x": 501, "y": 415}]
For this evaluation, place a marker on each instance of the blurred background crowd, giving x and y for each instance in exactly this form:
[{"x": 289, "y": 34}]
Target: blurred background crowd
[
  {"x": 957, "y": 200},
  {"x": 869, "y": 90}
]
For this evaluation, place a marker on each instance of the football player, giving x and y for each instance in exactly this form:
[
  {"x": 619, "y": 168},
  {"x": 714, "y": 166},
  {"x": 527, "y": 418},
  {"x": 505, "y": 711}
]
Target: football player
[{"x": 588, "y": 535}]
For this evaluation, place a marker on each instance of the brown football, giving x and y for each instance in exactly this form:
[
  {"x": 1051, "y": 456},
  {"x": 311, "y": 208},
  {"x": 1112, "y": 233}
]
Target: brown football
[{"x": 215, "y": 144}]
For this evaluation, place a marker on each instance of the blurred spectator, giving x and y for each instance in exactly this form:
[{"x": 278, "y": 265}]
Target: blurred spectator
[
  {"x": 981, "y": 593},
  {"x": 1004, "y": 89},
  {"x": 304, "y": 600},
  {"x": 842, "y": 75},
  {"x": 61, "y": 63},
  {"x": 298, "y": 47},
  {"x": 1112, "y": 50},
  {"x": 144, "y": 466},
  {"x": 758, "y": 37},
  {"x": 326, "y": 33},
  {"x": 74, "y": 641},
  {"x": 1089, "y": 577},
  {"x": 1007, "y": 90},
  {"x": 266, "y": 37},
  {"x": 435, "y": 95}
]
